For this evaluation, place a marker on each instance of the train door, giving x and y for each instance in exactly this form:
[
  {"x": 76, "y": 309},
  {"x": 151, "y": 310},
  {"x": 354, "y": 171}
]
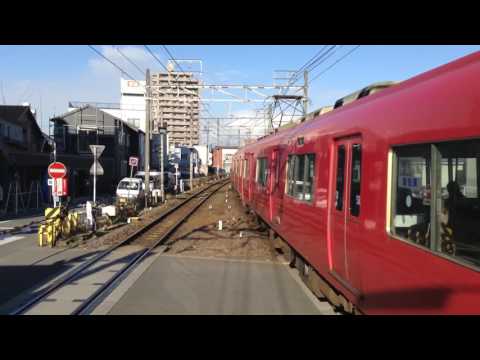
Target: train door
[
  {"x": 274, "y": 172},
  {"x": 345, "y": 209},
  {"x": 247, "y": 178}
]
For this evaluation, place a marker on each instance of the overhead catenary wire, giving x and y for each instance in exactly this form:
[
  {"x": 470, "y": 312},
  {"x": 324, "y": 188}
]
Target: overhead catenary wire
[
  {"x": 333, "y": 64},
  {"x": 111, "y": 62},
  {"x": 171, "y": 56},
  {"x": 156, "y": 58},
  {"x": 311, "y": 64},
  {"x": 143, "y": 72}
]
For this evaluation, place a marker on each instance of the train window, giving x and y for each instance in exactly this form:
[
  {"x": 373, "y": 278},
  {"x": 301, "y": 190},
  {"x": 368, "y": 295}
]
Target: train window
[
  {"x": 340, "y": 177},
  {"x": 355, "y": 181},
  {"x": 290, "y": 180},
  {"x": 261, "y": 173},
  {"x": 436, "y": 199},
  {"x": 300, "y": 173},
  {"x": 411, "y": 215},
  {"x": 458, "y": 233},
  {"x": 310, "y": 172}
]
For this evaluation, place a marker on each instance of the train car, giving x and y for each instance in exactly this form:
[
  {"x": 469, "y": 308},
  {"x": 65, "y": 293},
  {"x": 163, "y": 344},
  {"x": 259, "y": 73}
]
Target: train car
[{"x": 379, "y": 200}]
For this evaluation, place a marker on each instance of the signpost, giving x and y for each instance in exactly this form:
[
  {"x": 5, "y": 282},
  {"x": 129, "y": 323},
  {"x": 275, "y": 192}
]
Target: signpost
[
  {"x": 132, "y": 161},
  {"x": 57, "y": 171},
  {"x": 176, "y": 177},
  {"x": 96, "y": 168}
]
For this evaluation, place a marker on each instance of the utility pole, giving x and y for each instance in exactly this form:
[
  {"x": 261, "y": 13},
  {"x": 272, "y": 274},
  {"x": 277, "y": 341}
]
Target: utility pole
[
  {"x": 305, "y": 92},
  {"x": 218, "y": 140},
  {"x": 147, "y": 139},
  {"x": 270, "y": 119},
  {"x": 191, "y": 148},
  {"x": 238, "y": 137},
  {"x": 162, "y": 134},
  {"x": 208, "y": 133},
  {"x": 95, "y": 176}
]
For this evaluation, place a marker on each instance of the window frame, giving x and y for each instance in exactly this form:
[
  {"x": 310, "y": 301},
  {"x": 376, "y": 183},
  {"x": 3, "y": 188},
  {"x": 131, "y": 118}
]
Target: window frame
[
  {"x": 391, "y": 200},
  {"x": 261, "y": 164},
  {"x": 352, "y": 199},
  {"x": 344, "y": 168},
  {"x": 290, "y": 182}
]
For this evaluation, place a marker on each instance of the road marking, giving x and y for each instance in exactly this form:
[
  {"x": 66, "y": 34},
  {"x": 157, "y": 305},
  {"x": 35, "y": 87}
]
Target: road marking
[
  {"x": 5, "y": 228},
  {"x": 8, "y": 239}
]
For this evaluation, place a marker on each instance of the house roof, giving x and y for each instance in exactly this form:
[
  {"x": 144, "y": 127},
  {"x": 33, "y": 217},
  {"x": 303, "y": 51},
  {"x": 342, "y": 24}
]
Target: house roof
[
  {"x": 133, "y": 128},
  {"x": 14, "y": 114}
]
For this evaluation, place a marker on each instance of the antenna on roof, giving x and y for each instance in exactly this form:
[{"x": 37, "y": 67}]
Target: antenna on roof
[{"x": 3, "y": 96}]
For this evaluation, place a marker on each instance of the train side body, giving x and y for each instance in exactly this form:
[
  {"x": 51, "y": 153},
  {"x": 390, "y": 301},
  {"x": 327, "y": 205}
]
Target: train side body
[{"x": 357, "y": 255}]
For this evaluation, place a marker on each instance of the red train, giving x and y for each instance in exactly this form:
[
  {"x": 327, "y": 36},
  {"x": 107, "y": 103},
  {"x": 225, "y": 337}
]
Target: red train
[{"x": 379, "y": 199}]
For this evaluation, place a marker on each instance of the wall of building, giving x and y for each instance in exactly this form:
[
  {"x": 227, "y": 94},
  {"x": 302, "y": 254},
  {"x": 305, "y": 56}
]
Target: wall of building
[
  {"x": 222, "y": 158},
  {"x": 203, "y": 155},
  {"x": 132, "y": 102},
  {"x": 176, "y": 105},
  {"x": 75, "y": 131}
]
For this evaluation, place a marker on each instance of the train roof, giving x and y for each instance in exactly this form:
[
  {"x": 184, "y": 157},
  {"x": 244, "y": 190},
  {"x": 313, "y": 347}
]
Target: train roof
[{"x": 366, "y": 91}]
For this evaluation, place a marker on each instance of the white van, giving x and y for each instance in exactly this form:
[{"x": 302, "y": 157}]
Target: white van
[{"x": 130, "y": 189}]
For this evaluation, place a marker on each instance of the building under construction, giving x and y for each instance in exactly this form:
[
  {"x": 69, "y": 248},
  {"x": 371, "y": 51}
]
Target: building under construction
[{"x": 175, "y": 106}]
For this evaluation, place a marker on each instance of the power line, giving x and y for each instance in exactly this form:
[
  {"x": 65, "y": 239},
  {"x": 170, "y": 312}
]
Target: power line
[
  {"x": 156, "y": 58},
  {"x": 325, "y": 57},
  {"x": 130, "y": 61},
  {"x": 111, "y": 62},
  {"x": 333, "y": 64},
  {"x": 319, "y": 56},
  {"x": 309, "y": 61},
  {"x": 171, "y": 56}
]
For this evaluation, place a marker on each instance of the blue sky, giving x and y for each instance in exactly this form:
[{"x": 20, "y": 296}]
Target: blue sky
[{"x": 49, "y": 76}]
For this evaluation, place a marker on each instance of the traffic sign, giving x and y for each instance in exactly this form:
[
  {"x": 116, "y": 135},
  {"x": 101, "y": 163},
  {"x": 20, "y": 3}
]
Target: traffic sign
[
  {"x": 133, "y": 161},
  {"x": 97, "y": 150},
  {"x": 57, "y": 170},
  {"x": 60, "y": 187},
  {"x": 99, "y": 169}
]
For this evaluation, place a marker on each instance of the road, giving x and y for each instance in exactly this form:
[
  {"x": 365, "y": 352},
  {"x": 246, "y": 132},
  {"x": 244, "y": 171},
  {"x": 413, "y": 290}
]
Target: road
[{"x": 25, "y": 267}]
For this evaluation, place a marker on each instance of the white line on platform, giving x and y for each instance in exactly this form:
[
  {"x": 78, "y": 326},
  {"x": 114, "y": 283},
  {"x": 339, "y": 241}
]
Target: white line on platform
[{"x": 8, "y": 239}]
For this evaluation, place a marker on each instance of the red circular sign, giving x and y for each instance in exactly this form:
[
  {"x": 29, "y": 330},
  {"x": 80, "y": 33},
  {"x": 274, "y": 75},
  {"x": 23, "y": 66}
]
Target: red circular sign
[{"x": 57, "y": 170}]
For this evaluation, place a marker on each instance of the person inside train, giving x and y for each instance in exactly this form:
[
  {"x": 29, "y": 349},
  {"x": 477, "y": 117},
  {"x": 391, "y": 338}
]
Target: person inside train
[{"x": 461, "y": 221}]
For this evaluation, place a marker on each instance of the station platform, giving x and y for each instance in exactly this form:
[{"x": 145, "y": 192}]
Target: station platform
[{"x": 179, "y": 285}]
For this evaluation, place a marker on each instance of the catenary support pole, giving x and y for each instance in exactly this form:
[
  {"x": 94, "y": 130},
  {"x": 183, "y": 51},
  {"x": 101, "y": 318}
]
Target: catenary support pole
[
  {"x": 147, "y": 139},
  {"x": 305, "y": 93},
  {"x": 94, "y": 176}
]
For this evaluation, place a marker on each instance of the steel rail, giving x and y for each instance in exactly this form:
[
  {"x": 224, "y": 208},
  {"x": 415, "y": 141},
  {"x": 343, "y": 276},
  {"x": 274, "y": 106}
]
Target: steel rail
[{"x": 74, "y": 273}]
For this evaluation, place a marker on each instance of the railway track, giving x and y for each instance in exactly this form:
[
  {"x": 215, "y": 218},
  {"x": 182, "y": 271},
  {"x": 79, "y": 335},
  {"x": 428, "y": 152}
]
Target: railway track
[{"x": 75, "y": 294}]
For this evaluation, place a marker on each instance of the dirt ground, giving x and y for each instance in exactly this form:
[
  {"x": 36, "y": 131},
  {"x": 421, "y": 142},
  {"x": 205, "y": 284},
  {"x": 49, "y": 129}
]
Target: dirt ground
[{"x": 240, "y": 238}]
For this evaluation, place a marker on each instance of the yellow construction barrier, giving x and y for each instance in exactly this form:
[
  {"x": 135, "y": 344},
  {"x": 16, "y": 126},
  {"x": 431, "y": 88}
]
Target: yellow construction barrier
[
  {"x": 42, "y": 236},
  {"x": 57, "y": 225}
]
